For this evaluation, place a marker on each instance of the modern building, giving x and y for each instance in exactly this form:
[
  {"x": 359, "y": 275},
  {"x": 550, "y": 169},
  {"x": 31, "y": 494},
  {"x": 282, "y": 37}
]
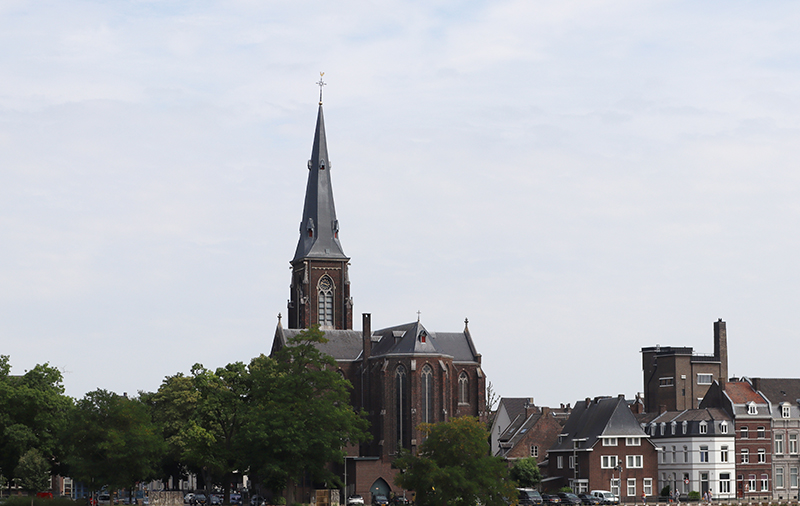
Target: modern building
[
  {"x": 677, "y": 378},
  {"x": 402, "y": 376}
]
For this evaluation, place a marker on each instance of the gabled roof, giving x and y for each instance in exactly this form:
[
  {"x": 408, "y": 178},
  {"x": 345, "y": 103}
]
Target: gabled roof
[
  {"x": 514, "y": 406},
  {"x": 517, "y": 430},
  {"x": 601, "y": 417},
  {"x": 342, "y": 344},
  {"x": 742, "y": 392}
]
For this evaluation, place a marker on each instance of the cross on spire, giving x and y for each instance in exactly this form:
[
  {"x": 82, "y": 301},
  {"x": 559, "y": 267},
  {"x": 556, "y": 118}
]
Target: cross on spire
[
  {"x": 418, "y": 313},
  {"x": 321, "y": 83}
]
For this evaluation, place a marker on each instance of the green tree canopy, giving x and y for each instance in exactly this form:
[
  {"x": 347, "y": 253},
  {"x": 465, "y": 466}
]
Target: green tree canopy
[
  {"x": 33, "y": 471},
  {"x": 525, "y": 472},
  {"x": 454, "y": 467},
  {"x": 300, "y": 418},
  {"x": 113, "y": 441}
]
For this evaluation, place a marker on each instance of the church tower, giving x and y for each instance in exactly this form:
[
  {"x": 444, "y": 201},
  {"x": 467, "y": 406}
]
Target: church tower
[{"x": 320, "y": 289}]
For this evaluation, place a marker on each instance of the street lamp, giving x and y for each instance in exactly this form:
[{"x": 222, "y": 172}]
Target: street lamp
[{"x": 617, "y": 468}]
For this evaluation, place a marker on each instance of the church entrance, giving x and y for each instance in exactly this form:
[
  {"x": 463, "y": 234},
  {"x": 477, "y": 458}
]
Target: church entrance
[{"x": 380, "y": 487}]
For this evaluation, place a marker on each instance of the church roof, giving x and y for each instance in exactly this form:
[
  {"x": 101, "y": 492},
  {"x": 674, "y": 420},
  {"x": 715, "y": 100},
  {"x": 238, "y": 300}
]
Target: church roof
[
  {"x": 341, "y": 345},
  {"x": 319, "y": 228}
]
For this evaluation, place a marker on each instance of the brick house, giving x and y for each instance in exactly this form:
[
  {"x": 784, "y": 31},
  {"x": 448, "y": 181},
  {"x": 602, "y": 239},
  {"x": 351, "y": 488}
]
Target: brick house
[
  {"x": 603, "y": 447},
  {"x": 696, "y": 450},
  {"x": 531, "y": 431},
  {"x": 750, "y": 411},
  {"x": 402, "y": 376}
]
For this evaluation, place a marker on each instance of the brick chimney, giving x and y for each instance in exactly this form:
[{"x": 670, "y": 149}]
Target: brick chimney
[
  {"x": 530, "y": 407},
  {"x": 721, "y": 348}
]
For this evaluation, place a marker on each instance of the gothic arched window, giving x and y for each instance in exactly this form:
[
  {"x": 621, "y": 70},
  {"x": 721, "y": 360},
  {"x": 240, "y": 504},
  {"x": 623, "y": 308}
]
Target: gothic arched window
[
  {"x": 427, "y": 394},
  {"x": 400, "y": 406},
  {"x": 463, "y": 388},
  {"x": 325, "y": 301}
]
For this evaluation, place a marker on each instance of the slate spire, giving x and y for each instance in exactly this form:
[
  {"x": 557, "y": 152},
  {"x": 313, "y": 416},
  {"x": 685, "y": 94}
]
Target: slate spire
[{"x": 319, "y": 229}]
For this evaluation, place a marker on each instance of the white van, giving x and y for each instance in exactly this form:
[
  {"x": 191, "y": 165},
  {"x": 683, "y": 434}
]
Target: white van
[{"x": 606, "y": 496}]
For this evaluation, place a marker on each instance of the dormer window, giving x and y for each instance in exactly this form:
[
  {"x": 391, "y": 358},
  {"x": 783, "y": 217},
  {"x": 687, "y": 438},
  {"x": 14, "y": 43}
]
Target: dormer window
[
  {"x": 751, "y": 408},
  {"x": 684, "y": 426},
  {"x": 786, "y": 410},
  {"x": 423, "y": 336},
  {"x": 703, "y": 427},
  {"x": 672, "y": 428},
  {"x": 723, "y": 428}
]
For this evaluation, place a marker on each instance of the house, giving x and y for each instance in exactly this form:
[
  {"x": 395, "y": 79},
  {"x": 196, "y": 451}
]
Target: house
[
  {"x": 677, "y": 378},
  {"x": 783, "y": 395},
  {"x": 402, "y": 376},
  {"x": 696, "y": 448},
  {"x": 752, "y": 418},
  {"x": 531, "y": 431},
  {"x": 603, "y": 447}
]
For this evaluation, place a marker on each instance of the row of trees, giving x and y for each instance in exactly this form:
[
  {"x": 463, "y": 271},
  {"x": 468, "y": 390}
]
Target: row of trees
[{"x": 277, "y": 418}]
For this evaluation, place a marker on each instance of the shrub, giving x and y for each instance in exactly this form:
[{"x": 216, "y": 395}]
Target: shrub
[
  {"x": 665, "y": 492},
  {"x": 694, "y": 495},
  {"x": 565, "y": 489},
  {"x": 280, "y": 501}
]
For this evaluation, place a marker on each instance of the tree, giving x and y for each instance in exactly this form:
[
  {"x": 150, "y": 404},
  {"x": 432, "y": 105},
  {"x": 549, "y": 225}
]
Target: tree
[
  {"x": 33, "y": 471},
  {"x": 34, "y": 414},
  {"x": 526, "y": 473},
  {"x": 454, "y": 467},
  {"x": 113, "y": 441},
  {"x": 300, "y": 418}
]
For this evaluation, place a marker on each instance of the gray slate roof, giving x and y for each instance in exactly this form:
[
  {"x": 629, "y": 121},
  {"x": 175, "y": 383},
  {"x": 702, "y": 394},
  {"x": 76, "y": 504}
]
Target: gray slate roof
[
  {"x": 601, "y": 417},
  {"x": 319, "y": 213},
  {"x": 779, "y": 390}
]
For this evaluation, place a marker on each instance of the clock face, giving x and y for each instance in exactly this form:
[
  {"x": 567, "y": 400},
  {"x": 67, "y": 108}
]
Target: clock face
[{"x": 325, "y": 283}]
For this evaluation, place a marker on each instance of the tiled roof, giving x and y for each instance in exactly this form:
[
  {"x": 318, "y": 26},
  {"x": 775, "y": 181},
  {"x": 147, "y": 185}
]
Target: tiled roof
[
  {"x": 779, "y": 390},
  {"x": 741, "y": 392}
]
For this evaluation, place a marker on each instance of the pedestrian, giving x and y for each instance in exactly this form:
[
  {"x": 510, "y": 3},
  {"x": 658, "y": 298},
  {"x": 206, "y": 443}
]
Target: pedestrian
[
  {"x": 710, "y": 496},
  {"x": 644, "y": 498},
  {"x": 677, "y": 496}
]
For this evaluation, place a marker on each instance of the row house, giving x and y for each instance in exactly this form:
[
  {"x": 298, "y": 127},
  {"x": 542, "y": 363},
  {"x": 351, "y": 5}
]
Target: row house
[
  {"x": 752, "y": 417},
  {"x": 696, "y": 448},
  {"x": 521, "y": 429},
  {"x": 783, "y": 395},
  {"x": 603, "y": 447}
]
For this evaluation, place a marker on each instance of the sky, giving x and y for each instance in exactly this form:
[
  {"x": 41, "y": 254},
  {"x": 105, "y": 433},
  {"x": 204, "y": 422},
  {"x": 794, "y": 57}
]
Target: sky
[{"x": 579, "y": 179}]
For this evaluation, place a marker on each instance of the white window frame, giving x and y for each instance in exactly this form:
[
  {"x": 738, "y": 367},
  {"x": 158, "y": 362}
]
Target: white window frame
[
  {"x": 723, "y": 453},
  {"x": 705, "y": 378},
  {"x": 762, "y": 456},
  {"x": 793, "y": 477},
  {"x": 631, "y": 487},
  {"x": 535, "y": 451},
  {"x": 745, "y": 433},
  {"x": 704, "y": 454},
  {"x": 786, "y": 410},
  {"x": 764, "y": 482},
  {"x": 751, "y": 408},
  {"x": 609, "y": 441},
  {"x": 723, "y": 428},
  {"x": 633, "y": 461},
  {"x": 792, "y": 444},
  {"x": 647, "y": 486},
  {"x": 778, "y": 480},
  {"x": 779, "y": 444},
  {"x": 703, "y": 427},
  {"x": 633, "y": 441},
  {"x": 608, "y": 461},
  {"x": 745, "y": 456},
  {"x": 724, "y": 483},
  {"x": 761, "y": 432},
  {"x": 666, "y": 381},
  {"x": 560, "y": 462}
]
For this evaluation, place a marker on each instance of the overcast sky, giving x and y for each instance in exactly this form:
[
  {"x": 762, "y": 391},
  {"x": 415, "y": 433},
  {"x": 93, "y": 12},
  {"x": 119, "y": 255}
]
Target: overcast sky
[{"x": 579, "y": 179}]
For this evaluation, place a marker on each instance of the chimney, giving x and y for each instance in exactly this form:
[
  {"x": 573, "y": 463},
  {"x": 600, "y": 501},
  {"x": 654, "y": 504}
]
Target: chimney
[
  {"x": 721, "y": 348},
  {"x": 530, "y": 407},
  {"x": 588, "y": 401},
  {"x": 366, "y": 334},
  {"x": 662, "y": 409}
]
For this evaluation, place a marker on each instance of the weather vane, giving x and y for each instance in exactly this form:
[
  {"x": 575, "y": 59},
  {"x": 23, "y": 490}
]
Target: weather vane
[{"x": 321, "y": 83}]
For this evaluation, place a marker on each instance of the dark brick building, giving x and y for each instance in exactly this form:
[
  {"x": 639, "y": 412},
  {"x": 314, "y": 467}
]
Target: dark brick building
[
  {"x": 676, "y": 378},
  {"x": 402, "y": 376}
]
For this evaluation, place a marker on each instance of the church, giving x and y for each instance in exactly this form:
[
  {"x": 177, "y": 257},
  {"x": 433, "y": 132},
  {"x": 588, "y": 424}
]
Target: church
[{"x": 402, "y": 376}]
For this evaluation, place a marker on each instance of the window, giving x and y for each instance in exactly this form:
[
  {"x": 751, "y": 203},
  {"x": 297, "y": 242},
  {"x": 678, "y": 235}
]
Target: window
[
  {"x": 745, "y": 433},
  {"x": 793, "y": 444},
  {"x": 402, "y": 422},
  {"x": 534, "y": 451},
  {"x": 704, "y": 379},
  {"x": 723, "y": 428},
  {"x": 761, "y": 433},
  {"x": 666, "y": 382},
  {"x": 793, "y": 477},
  {"x": 786, "y": 411},
  {"x": 463, "y": 389},
  {"x": 633, "y": 461},
  {"x": 685, "y": 453},
  {"x": 674, "y": 455},
  {"x": 560, "y": 462},
  {"x": 427, "y": 394},
  {"x": 672, "y": 428},
  {"x": 764, "y": 482},
  {"x": 745, "y": 456},
  {"x": 608, "y": 461},
  {"x": 779, "y": 477},
  {"x": 752, "y": 483},
  {"x": 571, "y": 462},
  {"x": 703, "y": 427},
  {"x": 633, "y": 441},
  {"x": 615, "y": 486},
  {"x": 779, "y": 444},
  {"x": 647, "y": 486},
  {"x": 704, "y": 453},
  {"x": 723, "y": 454},
  {"x": 762, "y": 455},
  {"x": 725, "y": 483},
  {"x": 609, "y": 441},
  {"x": 751, "y": 408},
  {"x": 663, "y": 427},
  {"x": 631, "y": 487},
  {"x": 684, "y": 426},
  {"x": 325, "y": 301}
]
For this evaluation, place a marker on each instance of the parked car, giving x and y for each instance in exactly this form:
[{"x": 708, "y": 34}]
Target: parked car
[
  {"x": 606, "y": 496},
  {"x": 529, "y": 496},
  {"x": 380, "y": 500},
  {"x": 590, "y": 500},
  {"x": 257, "y": 500},
  {"x": 200, "y": 499},
  {"x": 188, "y": 498},
  {"x": 399, "y": 500},
  {"x": 569, "y": 498},
  {"x": 355, "y": 500},
  {"x": 551, "y": 499}
]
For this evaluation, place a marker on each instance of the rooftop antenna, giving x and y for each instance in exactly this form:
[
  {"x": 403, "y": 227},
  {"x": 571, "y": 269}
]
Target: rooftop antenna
[{"x": 321, "y": 83}]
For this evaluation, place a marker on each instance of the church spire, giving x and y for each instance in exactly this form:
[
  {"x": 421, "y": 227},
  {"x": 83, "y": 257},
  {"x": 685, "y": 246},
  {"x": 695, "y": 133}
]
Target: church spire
[{"x": 319, "y": 229}]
